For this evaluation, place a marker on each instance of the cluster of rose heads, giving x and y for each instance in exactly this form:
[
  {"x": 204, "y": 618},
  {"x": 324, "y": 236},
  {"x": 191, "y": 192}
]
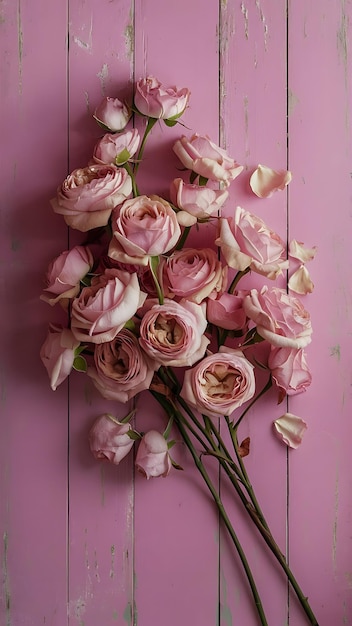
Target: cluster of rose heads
[{"x": 140, "y": 302}]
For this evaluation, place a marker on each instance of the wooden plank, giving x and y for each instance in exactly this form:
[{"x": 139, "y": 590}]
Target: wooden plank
[
  {"x": 320, "y": 207},
  {"x": 175, "y": 522},
  {"x": 100, "y": 496},
  {"x": 33, "y": 443},
  {"x": 253, "y": 130}
]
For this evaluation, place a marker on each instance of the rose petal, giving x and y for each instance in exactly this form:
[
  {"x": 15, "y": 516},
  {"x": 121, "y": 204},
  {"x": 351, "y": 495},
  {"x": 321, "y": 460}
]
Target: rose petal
[
  {"x": 297, "y": 250},
  {"x": 290, "y": 429},
  {"x": 264, "y": 181},
  {"x": 186, "y": 219},
  {"x": 300, "y": 281}
]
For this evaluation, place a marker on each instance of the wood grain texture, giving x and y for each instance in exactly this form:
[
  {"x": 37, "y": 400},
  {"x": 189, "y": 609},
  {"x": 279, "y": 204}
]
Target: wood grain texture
[{"x": 85, "y": 544}]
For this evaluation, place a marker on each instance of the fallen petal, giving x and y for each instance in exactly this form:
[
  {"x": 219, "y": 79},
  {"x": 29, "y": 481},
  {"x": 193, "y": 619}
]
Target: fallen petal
[
  {"x": 243, "y": 449},
  {"x": 300, "y": 282},
  {"x": 290, "y": 429},
  {"x": 297, "y": 250},
  {"x": 264, "y": 181}
]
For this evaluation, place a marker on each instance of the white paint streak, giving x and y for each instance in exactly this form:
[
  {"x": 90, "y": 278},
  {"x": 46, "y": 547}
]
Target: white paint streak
[
  {"x": 103, "y": 76},
  {"x": 263, "y": 21},
  {"x": 245, "y": 15},
  {"x": 85, "y": 43}
]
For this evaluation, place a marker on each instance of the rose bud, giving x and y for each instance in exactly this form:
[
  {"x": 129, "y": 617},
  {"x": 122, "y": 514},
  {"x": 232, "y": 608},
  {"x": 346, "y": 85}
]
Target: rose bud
[
  {"x": 154, "y": 100},
  {"x": 112, "y": 114},
  {"x": 153, "y": 457},
  {"x": 109, "y": 439}
]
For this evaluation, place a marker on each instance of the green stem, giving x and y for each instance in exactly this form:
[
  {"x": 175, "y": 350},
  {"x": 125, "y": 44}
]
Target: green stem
[
  {"x": 201, "y": 468},
  {"x": 237, "y": 278},
  {"x": 133, "y": 179},
  {"x": 183, "y": 237},
  {"x": 153, "y": 264},
  {"x": 151, "y": 122},
  {"x": 237, "y": 478}
]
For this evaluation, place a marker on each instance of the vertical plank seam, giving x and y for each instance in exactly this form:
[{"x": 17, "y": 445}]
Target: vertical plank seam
[
  {"x": 68, "y": 535},
  {"x": 287, "y": 547}
]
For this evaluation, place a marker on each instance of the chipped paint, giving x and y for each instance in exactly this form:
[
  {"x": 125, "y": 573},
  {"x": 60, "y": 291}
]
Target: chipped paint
[
  {"x": 292, "y": 101},
  {"x": 86, "y": 45},
  {"x": 342, "y": 47},
  {"x": 103, "y": 76},
  {"x": 128, "y": 614},
  {"x": 334, "y": 528},
  {"x": 263, "y": 21},
  {"x": 112, "y": 562},
  {"x": 6, "y": 582},
  {"x": 336, "y": 352},
  {"x": 20, "y": 46},
  {"x": 245, "y": 15},
  {"x": 225, "y": 611}
]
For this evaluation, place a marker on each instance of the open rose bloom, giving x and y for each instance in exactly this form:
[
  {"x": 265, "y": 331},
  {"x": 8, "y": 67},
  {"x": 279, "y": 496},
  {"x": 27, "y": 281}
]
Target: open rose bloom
[{"x": 152, "y": 312}]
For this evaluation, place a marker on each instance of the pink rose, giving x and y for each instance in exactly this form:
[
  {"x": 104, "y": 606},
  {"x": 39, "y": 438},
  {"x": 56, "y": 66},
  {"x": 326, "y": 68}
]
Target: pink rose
[
  {"x": 152, "y": 458},
  {"x": 172, "y": 333},
  {"x": 122, "y": 369},
  {"x": 112, "y": 114},
  {"x": 245, "y": 241},
  {"x": 58, "y": 353},
  {"x": 143, "y": 227},
  {"x": 280, "y": 318},
  {"x": 204, "y": 157},
  {"x": 220, "y": 383},
  {"x": 109, "y": 439},
  {"x": 65, "y": 273},
  {"x": 116, "y": 149},
  {"x": 200, "y": 202},
  {"x": 154, "y": 100},
  {"x": 192, "y": 274},
  {"x": 102, "y": 309},
  {"x": 87, "y": 196},
  {"x": 289, "y": 369},
  {"x": 226, "y": 311}
]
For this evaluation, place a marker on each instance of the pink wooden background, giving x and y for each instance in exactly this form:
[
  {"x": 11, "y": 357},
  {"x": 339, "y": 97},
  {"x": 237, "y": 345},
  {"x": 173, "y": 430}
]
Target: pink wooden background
[{"x": 91, "y": 545}]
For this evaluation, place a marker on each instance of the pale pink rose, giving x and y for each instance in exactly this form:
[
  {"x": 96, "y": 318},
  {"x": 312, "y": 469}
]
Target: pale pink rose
[
  {"x": 198, "y": 201},
  {"x": 87, "y": 196},
  {"x": 192, "y": 274},
  {"x": 246, "y": 242},
  {"x": 102, "y": 309},
  {"x": 280, "y": 318},
  {"x": 65, "y": 273},
  {"x": 301, "y": 282},
  {"x": 226, "y": 311},
  {"x": 264, "y": 181},
  {"x": 58, "y": 353},
  {"x": 155, "y": 100},
  {"x": 109, "y": 439},
  {"x": 143, "y": 227},
  {"x": 289, "y": 369},
  {"x": 152, "y": 458},
  {"x": 290, "y": 429},
  {"x": 121, "y": 369},
  {"x": 116, "y": 149},
  {"x": 204, "y": 157},
  {"x": 173, "y": 333},
  {"x": 112, "y": 114},
  {"x": 220, "y": 383}
]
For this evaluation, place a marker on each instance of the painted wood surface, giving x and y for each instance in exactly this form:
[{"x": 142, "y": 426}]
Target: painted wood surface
[{"x": 85, "y": 544}]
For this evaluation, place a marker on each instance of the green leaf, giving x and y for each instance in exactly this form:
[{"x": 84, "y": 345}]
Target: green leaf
[
  {"x": 171, "y": 122},
  {"x": 121, "y": 158},
  {"x": 176, "y": 465},
  {"x": 134, "y": 435},
  {"x": 80, "y": 364},
  {"x": 202, "y": 181}
]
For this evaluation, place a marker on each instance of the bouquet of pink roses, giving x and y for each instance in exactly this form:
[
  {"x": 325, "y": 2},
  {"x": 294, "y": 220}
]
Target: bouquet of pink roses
[{"x": 146, "y": 312}]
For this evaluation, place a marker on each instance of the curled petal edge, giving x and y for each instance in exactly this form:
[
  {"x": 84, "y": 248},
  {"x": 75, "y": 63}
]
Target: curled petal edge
[{"x": 290, "y": 429}]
